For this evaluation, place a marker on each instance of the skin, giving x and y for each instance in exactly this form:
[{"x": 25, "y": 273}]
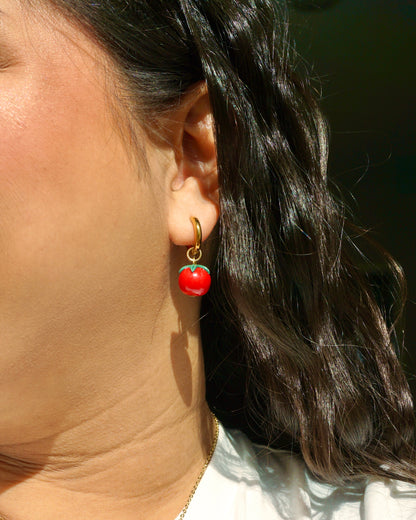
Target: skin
[{"x": 102, "y": 391}]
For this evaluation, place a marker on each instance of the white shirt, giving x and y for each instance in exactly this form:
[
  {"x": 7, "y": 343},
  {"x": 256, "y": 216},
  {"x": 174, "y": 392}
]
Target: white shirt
[{"x": 245, "y": 481}]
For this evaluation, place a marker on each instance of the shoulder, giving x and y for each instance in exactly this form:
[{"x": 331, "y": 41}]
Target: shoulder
[{"x": 245, "y": 481}]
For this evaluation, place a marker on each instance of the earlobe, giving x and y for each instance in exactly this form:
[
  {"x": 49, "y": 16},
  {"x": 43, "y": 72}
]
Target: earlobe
[
  {"x": 194, "y": 186},
  {"x": 185, "y": 203}
]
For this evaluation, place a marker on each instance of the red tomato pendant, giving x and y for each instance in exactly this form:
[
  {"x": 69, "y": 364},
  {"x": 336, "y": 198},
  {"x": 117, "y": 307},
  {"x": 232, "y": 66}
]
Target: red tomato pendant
[{"x": 194, "y": 280}]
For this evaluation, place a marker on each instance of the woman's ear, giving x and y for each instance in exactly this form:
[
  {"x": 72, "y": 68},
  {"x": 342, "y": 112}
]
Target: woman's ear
[{"x": 194, "y": 178}]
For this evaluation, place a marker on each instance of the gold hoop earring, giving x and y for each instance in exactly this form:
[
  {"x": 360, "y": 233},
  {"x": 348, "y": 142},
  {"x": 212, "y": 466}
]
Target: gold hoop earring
[{"x": 195, "y": 279}]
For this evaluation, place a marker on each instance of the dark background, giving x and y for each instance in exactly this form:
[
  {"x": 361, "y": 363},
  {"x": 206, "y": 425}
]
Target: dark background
[{"x": 363, "y": 51}]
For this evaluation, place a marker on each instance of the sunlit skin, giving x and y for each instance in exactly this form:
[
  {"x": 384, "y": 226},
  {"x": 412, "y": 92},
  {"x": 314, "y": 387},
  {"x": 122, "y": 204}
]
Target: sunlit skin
[{"x": 102, "y": 400}]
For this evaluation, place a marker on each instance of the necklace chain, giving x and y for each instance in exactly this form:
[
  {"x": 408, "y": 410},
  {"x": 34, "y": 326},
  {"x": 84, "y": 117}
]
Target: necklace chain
[
  {"x": 198, "y": 480},
  {"x": 208, "y": 460}
]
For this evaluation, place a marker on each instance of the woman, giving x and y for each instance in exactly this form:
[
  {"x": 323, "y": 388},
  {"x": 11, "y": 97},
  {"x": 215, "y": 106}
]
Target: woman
[{"x": 124, "y": 125}]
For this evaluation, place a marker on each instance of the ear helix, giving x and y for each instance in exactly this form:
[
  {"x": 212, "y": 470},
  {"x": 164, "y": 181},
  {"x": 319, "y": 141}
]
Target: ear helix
[{"x": 195, "y": 279}]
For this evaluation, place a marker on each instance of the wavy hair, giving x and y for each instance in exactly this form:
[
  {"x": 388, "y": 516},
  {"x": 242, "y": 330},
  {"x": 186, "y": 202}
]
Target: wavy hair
[{"x": 302, "y": 354}]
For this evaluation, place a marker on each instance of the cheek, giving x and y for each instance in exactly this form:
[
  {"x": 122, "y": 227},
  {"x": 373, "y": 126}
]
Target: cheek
[
  {"x": 67, "y": 189},
  {"x": 47, "y": 135}
]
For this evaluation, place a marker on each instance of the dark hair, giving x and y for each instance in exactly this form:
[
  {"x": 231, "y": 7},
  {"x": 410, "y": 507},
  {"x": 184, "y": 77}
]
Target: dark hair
[{"x": 302, "y": 353}]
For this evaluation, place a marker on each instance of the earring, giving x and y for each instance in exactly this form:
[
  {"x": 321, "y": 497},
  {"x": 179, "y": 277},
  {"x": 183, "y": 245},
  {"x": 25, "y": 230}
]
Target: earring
[{"x": 195, "y": 279}]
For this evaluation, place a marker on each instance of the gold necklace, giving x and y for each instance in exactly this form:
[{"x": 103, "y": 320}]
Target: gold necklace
[{"x": 198, "y": 480}]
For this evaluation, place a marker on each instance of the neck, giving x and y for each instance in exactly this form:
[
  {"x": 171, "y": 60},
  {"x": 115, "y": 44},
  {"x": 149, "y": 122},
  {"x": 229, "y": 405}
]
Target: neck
[{"x": 132, "y": 449}]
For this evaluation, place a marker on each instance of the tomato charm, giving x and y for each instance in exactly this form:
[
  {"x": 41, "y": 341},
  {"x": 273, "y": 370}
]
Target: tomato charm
[{"x": 194, "y": 280}]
